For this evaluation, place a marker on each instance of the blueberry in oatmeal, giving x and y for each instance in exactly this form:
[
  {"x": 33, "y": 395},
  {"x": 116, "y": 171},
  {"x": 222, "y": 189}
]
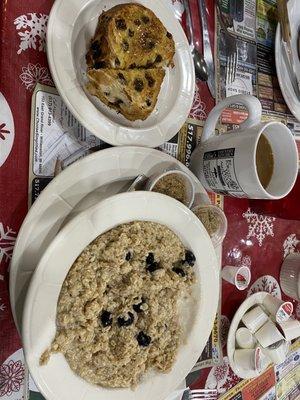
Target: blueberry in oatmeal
[
  {"x": 143, "y": 339},
  {"x": 127, "y": 320},
  {"x": 190, "y": 258},
  {"x": 138, "y": 307},
  {"x": 106, "y": 318}
]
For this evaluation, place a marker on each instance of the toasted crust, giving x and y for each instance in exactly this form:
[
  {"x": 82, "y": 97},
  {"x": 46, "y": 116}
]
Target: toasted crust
[
  {"x": 133, "y": 92},
  {"x": 130, "y": 36}
]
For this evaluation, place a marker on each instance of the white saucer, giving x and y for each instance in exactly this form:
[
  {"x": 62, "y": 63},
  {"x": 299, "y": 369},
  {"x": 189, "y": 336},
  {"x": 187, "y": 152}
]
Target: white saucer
[
  {"x": 282, "y": 72},
  {"x": 78, "y": 187},
  {"x": 70, "y": 28},
  {"x": 196, "y": 313},
  {"x": 254, "y": 299}
]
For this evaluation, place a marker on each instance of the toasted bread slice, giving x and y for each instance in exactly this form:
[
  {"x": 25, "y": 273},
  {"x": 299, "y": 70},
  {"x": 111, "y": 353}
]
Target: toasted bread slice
[
  {"x": 130, "y": 36},
  {"x": 132, "y": 92}
]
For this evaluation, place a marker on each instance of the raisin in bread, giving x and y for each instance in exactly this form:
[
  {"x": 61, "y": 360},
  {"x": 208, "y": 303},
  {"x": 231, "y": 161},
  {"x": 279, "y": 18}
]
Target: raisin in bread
[
  {"x": 130, "y": 36},
  {"x": 131, "y": 92}
]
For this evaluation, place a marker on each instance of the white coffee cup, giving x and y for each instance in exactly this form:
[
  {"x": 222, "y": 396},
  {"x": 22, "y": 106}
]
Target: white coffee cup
[{"x": 226, "y": 163}]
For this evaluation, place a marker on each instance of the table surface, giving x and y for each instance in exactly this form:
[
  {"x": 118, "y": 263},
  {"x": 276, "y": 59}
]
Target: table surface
[{"x": 254, "y": 239}]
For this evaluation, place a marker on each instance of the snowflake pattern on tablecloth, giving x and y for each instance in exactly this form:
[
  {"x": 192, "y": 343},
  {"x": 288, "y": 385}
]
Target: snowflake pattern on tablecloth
[
  {"x": 7, "y": 242},
  {"x": 11, "y": 377},
  {"x": 259, "y": 226},
  {"x": 290, "y": 244},
  {"x": 198, "y": 110},
  {"x": 246, "y": 261},
  {"x": 34, "y": 73},
  {"x": 32, "y": 27},
  {"x": 2, "y": 305},
  {"x": 224, "y": 328},
  {"x": 266, "y": 283},
  {"x": 221, "y": 377},
  {"x": 3, "y": 131}
]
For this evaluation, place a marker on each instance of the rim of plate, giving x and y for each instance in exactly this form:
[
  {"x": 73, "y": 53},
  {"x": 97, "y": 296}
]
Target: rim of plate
[
  {"x": 59, "y": 37},
  {"x": 254, "y": 299},
  {"x": 71, "y": 174},
  {"x": 283, "y": 78},
  {"x": 39, "y": 327}
]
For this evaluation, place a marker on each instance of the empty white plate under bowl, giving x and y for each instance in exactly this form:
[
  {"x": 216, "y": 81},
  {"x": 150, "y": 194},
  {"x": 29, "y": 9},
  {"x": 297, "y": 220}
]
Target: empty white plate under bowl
[
  {"x": 56, "y": 380},
  {"x": 70, "y": 28}
]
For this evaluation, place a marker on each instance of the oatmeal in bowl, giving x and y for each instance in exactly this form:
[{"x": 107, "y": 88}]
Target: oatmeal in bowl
[
  {"x": 173, "y": 183},
  {"x": 122, "y": 302},
  {"x": 117, "y": 313}
]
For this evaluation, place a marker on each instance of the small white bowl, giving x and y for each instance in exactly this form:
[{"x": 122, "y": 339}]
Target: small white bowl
[
  {"x": 218, "y": 236},
  {"x": 256, "y": 299},
  {"x": 56, "y": 381},
  {"x": 189, "y": 185}
]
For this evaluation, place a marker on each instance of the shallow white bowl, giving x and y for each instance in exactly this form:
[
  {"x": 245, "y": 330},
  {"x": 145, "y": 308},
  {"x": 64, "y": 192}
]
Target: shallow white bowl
[
  {"x": 71, "y": 26},
  {"x": 56, "y": 380},
  {"x": 253, "y": 300}
]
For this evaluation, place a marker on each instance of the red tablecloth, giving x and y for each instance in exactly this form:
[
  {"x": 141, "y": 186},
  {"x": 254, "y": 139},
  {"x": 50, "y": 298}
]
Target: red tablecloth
[{"x": 258, "y": 241}]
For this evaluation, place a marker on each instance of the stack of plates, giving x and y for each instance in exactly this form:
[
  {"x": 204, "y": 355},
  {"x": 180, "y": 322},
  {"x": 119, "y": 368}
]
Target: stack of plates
[{"x": 60, "y": 212}]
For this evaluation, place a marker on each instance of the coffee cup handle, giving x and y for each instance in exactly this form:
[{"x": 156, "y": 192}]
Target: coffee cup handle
[{"x": 252, "y": 104}]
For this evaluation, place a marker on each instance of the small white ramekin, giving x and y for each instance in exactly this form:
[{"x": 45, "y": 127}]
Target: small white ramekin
[
  {"x": 190, "y": 188},
  {"x": 218, "y": 237}
]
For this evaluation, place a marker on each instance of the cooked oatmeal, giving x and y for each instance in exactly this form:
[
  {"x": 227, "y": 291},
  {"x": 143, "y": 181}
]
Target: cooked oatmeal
[
  {"x": 172, "y": 185},
  {"x": 209, "y": 218},
  {"x": 117, "y": 313}
]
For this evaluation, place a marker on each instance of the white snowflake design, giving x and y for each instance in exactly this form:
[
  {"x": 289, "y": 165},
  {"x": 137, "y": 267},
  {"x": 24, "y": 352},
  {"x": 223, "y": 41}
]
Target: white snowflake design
[
  {"x": 246, "y": 261},
  {"x": 7, "y": 242},
  {"x": 2, "y": 305},
  {"x": 32, "y": 27},
  {"x": 198, "y": 110},
  {"x": 221, "y": 377},
  {"x": 259, "y": 226},
  {"x": 290, "y": 244},
  {"x": 266, "y": 283},
  {"x": 34, "y": 73}
]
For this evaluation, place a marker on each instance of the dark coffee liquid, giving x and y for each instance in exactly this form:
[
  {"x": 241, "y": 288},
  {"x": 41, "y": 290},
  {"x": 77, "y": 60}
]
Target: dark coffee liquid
[{"x": 264, "y": 161}]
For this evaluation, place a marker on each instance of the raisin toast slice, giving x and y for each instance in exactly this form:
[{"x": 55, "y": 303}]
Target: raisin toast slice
[
  {"x": 132, "y": 92},
  {"x": 130, "y": 36}
]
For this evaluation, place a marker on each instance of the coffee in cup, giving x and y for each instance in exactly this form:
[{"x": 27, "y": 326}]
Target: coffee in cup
[{"x": 258, "y": 160}]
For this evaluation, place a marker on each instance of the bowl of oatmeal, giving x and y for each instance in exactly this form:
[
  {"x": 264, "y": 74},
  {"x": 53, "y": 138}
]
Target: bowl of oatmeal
[
  {"x": 214, "y": 221},
  {"x": 174, "y": 183},
  {"x": 122, "y": 302}
]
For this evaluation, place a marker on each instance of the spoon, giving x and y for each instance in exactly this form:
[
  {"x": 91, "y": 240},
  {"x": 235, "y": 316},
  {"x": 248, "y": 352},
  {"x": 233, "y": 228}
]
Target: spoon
[{"x": 201, "y": 70}]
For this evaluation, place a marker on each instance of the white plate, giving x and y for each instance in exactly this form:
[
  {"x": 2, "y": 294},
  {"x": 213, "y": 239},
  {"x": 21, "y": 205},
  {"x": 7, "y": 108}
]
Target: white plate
[
  {"x": 71, "y": 26},
  {"x": 56, "y": 380},
  {"x": 78, "y": 187},
  {"x": 282, "y": 72},
  {"x": 254, "y": 299}
]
